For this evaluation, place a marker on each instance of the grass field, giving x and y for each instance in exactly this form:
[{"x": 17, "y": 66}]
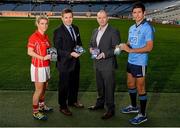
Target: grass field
[
  {"x": 163, "y": 111},
  {"x": 163, "y": 69},
  {"x": 16, "y": 88}
]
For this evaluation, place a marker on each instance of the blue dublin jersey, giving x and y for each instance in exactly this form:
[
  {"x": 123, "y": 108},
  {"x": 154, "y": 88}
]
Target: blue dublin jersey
[{"x": 138, "y": 38}]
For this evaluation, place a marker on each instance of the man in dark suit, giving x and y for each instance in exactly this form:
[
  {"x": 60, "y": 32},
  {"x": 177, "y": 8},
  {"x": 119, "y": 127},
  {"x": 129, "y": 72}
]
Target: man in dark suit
[
  {"x": 105, "y": 38},
  {"x": 66, "y": 38}
]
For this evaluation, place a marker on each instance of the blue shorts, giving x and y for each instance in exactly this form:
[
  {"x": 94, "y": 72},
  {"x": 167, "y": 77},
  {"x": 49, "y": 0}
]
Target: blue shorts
[{"x": 137, "y": 71}]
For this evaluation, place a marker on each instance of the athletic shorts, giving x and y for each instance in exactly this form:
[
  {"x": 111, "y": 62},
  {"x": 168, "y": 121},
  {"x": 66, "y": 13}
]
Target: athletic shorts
[
  {"x": 137, "y": 71},
  {"x": 40, "y": 74}
]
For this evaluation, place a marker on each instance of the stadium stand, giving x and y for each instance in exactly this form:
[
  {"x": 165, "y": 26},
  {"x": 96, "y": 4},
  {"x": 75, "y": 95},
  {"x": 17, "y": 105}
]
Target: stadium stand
[
  {"x": 24, "y": 7},
  {"x": 7, "y": 6},
  {"x": 158, "y": 11},
  {"x": 164, "y": 11}
]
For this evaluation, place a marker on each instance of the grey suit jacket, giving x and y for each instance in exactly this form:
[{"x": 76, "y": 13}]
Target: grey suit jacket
[{"x": 108, "y": 41}]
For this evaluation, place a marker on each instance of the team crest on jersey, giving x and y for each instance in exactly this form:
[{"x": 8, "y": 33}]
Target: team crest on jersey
[
  {"x": 134, "y": 40},
  {"x": 139, "y": 32},
  {"x": 47, "y": 43}
]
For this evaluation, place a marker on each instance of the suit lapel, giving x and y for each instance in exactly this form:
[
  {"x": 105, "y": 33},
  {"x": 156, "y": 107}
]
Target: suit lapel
[
  {"x": 67, "y": 33},
  {"x": 95, "y": 36}
]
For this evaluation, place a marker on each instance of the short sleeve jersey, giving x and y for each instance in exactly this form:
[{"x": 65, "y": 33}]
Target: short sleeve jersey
[
  {"x": 39, "y": 43},
  {"x": 138, "y": 38}
]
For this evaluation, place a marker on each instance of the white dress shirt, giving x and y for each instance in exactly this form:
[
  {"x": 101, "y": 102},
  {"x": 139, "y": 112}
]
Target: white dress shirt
[{"x": 100, "y": 33}]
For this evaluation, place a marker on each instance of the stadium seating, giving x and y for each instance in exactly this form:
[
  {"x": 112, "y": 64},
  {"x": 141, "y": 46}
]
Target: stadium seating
[
  {"x": 7, "y": 7},
  {"x": 156, "y": 11},
  {"x": 24, "y": 7},
  {"x": 166, "y": 10}
]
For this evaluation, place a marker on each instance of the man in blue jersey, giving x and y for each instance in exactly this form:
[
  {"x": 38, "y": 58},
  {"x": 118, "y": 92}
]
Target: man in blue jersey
[{"x": 140, "y": 43}]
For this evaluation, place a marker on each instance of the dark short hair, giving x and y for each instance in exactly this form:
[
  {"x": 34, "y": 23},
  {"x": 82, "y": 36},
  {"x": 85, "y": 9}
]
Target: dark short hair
[
  {"x": 66, "y": 10},
  {"x": 139, "y": 5}
]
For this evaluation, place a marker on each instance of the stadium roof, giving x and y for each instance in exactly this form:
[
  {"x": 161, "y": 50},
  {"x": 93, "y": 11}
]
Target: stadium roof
[{"x": 76, "y": 0}]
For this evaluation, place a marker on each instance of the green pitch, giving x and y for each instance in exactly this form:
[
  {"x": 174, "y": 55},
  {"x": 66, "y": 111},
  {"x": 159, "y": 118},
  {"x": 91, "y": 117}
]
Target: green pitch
[
  {"x": 162, "y": 110},
  {"x": 163, "y": 70}
]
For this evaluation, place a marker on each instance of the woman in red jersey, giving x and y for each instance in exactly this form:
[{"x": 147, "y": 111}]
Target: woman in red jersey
[{"x": 38, "y": 44}]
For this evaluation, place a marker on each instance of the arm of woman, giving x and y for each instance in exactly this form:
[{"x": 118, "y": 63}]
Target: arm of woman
[{"x": 33, "y": 54}]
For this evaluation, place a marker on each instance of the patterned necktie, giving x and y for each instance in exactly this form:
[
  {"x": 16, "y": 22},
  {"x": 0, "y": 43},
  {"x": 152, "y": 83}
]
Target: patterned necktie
[{"x": 72, "y": 34}]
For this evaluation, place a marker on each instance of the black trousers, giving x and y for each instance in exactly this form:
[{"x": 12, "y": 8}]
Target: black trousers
[
  {"x": 68, "y": 87},
  {"x": 105, "y": 81}
]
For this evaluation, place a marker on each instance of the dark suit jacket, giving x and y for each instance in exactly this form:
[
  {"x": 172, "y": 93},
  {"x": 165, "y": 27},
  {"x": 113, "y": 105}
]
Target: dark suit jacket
[
  {"x": 108, "y": 41},
  {"x": 65, "y": 45}
]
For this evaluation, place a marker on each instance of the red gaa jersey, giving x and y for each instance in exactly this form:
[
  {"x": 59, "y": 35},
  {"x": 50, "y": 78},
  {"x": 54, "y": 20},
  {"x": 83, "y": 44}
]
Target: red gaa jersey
[{"x": 39, "y": 43}]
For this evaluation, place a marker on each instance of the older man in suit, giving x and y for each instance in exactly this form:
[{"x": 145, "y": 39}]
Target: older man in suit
[
  {"x": 66, "y": 38},
  {"x": 105, "y": 38}
]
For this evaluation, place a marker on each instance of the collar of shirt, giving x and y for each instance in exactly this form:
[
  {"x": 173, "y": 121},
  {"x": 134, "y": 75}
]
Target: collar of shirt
[
  {"x": 103, "y": 28},
  {"x": 40, "y": 35},
  {"x": 68, "y": 27},
  {"x": 142, "y": 22}
]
